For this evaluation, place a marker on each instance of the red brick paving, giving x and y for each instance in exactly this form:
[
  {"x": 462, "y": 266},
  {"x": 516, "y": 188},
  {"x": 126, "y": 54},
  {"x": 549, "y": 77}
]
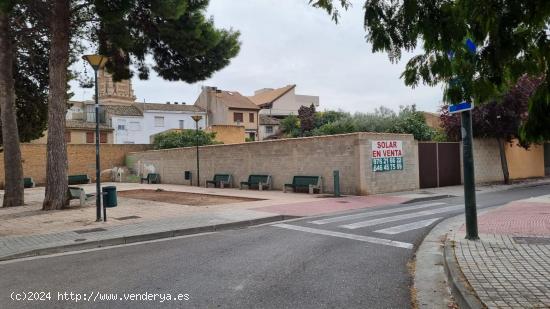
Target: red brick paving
[
  {"x": 330, "y": 205},
  {"x": 518, "y": 218}
]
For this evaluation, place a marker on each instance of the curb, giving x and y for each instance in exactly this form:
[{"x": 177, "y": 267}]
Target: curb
[
  {"x": 428, "y": 198},
  {"x": 146, "y": 237},
  {"x": 461, "y": 290}
]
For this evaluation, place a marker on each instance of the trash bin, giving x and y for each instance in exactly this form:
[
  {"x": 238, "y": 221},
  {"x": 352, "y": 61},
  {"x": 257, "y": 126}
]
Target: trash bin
[{"x": 109, "y": 196}]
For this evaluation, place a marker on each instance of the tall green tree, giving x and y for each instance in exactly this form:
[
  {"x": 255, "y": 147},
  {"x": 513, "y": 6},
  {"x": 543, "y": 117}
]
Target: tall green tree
[
  {"x": 13, "y": 168},
  {"x": 183, "y": 44},
  {"x": 512, "y": 39}
]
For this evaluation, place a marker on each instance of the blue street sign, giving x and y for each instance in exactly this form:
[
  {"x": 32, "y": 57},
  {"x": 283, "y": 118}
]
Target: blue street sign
[
  {"x": 461, "y": 107},
  {"x": 471, "y": 46}
]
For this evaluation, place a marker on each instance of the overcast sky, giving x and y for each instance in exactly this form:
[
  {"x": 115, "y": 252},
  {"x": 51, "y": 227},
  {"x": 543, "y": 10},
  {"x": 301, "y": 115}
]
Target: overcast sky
[{"x": 288, "y": 42}]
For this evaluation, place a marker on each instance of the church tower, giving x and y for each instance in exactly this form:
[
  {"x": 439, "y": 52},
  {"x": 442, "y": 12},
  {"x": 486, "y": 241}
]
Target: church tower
[{"x": 114, "y": 93}]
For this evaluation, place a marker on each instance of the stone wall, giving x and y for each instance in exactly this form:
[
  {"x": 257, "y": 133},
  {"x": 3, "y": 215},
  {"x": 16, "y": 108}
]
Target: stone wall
[
  {"x": 81, "y": 159},
  {"x": 348, "y": 153}
]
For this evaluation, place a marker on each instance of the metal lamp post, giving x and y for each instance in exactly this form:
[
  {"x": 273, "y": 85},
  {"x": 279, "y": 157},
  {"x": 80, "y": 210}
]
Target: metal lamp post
[
  {"x": 97, "y": 62},
  {"x": 197, "y": 118}
]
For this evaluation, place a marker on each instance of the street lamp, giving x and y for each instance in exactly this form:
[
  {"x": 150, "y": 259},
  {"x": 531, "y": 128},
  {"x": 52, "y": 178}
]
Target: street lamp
[
  {"x": 97, "y": 62},
  {"x": 197, "y": 118}
]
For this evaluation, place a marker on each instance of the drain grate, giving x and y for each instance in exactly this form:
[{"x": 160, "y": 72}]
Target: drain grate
[
  {"x": 532, "y": 240},
  {"x": 127, "y": 218},
  {"x": 98, "y": 229}
]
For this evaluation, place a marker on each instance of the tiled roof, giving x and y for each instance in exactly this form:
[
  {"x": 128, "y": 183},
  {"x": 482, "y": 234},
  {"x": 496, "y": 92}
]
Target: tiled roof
[
  {"x": 267, "y": 120},
  {"x": 122, "y": 110},
  {"x": 80, "y": 124},
  {"x": 270, "y": 96},
  {"x": 169, "y": 107},
  {"x": 234, "y": 99}
]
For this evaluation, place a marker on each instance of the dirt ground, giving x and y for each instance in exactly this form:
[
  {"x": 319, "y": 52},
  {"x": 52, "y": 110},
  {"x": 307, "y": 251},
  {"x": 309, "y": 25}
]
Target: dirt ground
[{"x": 182, "y": 198}]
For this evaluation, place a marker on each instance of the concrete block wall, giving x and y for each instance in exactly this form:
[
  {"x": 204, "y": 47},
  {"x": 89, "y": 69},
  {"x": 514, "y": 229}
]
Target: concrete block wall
[
  {"x": 348, "y": 153},
  {"x": 81, "y": 159}
]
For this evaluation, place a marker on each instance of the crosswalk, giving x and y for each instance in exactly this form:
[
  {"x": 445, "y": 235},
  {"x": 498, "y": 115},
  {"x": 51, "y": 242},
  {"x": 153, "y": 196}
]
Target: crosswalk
[{"x": 403, "y": 219}]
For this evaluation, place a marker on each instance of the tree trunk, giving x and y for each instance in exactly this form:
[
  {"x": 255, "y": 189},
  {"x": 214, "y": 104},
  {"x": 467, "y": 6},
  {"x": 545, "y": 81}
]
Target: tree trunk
[
  {"x": 56, "y": 165},
  {"x": 503, "y": 161},
  {"x": 13, "y": 168}
]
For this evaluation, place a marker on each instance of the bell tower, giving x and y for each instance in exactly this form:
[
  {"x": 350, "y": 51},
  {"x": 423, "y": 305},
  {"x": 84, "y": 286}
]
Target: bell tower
[{"x": 114, "y": 93}]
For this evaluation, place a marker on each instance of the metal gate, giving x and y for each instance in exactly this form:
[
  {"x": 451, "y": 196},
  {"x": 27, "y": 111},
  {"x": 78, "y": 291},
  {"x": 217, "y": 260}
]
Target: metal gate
[
  {"x": 547, "y": 159},
  {"x": 439, "y": 164}
]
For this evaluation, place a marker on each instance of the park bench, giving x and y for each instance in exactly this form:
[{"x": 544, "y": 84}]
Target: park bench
[
  {"x": 79, "y": 179},
  {"x": 28, "y": 182},
  {"x": 302, "y": 183},
  {"x": 151, "y": 178},
  {"x": 77, "y": 193},
  {"x": 220, "y": 181},
  {"x": 257, "y": 181}
]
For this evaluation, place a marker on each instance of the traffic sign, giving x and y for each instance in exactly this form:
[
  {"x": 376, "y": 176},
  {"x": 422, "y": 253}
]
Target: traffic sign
[{"x": 461, "y": 107}]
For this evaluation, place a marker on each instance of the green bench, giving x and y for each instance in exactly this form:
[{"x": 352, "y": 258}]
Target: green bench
[
  {"x": 151, "y": 178},
  {"x": 303, "y": 183},
  {"x": 28, "y": 182},
  {"x": 76, "y": 193},
  {"x": 79, "y": 179},
  {"x": 220, "y": 181},
  {"x": 257, "y": 181}
]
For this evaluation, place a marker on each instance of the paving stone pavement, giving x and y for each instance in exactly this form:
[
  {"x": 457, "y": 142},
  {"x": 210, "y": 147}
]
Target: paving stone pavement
[{"x": 510, "y": 266}]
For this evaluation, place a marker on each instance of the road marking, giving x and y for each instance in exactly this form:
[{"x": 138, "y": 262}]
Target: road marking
[
  {"x": 374, "y": 213},
  {"x": 407, "y": 227},
  {"x": 401, "y": 217},
  {"x": 373, "y": 240}
]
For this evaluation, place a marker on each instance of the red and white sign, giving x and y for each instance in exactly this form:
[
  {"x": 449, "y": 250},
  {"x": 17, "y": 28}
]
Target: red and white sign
[{"x": 387, "y": 149}]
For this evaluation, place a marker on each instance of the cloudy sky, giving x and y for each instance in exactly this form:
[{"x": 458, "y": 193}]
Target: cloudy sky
[{"x": 288, "y": 42}]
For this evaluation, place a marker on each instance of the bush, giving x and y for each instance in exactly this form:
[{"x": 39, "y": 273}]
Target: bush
[{"x": 184, "y": 138}]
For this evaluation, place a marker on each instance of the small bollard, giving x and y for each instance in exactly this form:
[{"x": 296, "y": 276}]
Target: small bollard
[{"x": 336, "y": 183}]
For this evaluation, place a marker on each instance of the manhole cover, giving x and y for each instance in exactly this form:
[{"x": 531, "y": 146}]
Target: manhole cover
[
  {"x": 532, "y": 240},
  {"x": 128, "y": 218},
  {"x": 98, "y": 229}
]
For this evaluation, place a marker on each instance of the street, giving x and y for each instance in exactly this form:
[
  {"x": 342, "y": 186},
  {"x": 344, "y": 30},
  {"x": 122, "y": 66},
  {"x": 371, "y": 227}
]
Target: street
[{"x": 357, "y": 259}]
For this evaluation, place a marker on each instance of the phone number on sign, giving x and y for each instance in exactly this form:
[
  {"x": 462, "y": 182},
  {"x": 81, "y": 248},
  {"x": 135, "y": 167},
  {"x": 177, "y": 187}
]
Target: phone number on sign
[{"x": 97, "y": 296}]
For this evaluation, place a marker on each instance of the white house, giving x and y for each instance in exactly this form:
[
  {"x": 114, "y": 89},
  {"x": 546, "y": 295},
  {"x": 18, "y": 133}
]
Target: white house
[{"x": 282, "y": 102}]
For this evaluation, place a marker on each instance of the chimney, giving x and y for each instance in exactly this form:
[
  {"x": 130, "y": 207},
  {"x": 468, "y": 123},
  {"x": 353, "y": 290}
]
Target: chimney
[
  {"x": 167, "y": 102},
  {"x": 176, "y": 103}
]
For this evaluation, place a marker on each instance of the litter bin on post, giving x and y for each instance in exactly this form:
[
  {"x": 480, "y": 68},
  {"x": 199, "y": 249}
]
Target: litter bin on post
[{"x": 109, "y": 196}]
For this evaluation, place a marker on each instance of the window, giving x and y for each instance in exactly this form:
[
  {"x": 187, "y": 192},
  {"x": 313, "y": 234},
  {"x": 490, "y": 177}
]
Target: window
[
  {"x": 121, "y": 125},
  {"x": 238, "y": 117},
  {"x": 103, "y": 137},
  {"x": 181, "y": 124},
  {"x": 68, "y": 137},
  {"x": 90, "y": 113},
  {"x": 251, "y": 117},
  {"x": 134, "y": 126},
  {"x": 159, "y": 121},
  {"x": 269, "y": 129},
  {"x": 89, "y": 137}
]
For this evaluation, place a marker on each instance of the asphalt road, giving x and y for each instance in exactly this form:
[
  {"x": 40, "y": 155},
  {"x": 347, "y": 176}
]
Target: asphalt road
[{"x": 352, "y": 260}]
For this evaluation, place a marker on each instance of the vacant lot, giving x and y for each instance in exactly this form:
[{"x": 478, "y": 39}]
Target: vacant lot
[{"x": 182, "y": 198}]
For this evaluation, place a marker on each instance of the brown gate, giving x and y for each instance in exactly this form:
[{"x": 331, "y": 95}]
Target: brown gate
[{"x": 439, "y": 164}]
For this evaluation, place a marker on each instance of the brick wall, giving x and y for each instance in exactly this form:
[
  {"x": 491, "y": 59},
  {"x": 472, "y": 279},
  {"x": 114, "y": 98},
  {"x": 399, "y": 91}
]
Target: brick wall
[
  {"x": 81, "y": 159},
  {"x": 348, "y": 153}
]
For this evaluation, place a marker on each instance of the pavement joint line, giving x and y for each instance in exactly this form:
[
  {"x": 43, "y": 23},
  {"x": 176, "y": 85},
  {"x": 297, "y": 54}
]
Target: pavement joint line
[
  {"x": 374, "y": 240},
  {"x": 374, "y": 213},
  {"x": 407, "y": 227},
  {"x": 378, "y": 221}
]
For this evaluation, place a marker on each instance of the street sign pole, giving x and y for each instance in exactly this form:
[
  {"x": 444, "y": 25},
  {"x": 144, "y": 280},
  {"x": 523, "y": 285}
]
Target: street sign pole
[{"x": 469, "y": 177}]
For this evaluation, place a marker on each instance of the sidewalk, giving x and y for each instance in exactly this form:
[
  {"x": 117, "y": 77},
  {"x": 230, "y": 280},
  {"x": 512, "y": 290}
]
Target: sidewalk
[{"x": 510, "y": 266}]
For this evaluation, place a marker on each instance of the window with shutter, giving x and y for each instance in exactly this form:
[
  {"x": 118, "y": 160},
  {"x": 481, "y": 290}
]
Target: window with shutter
[
  {"x": 89, "y": 137},
  {"x": 238, "y": 117},
  {"x": 103, "y": 137},
  {"x": 251, "y": 117},
  {"x": 67, "y": 137}
]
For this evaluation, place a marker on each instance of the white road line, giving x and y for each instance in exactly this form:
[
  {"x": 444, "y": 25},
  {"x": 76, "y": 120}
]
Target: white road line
[
  {"x": 374, "y": 213},
  {"x": 407, "y": 227},
  {"x": 401, "y": 217},
  {"x": 373, "y": 240}
]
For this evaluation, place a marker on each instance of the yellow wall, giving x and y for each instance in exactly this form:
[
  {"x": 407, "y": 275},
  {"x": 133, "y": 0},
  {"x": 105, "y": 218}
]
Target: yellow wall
[
  {"x": 525, "y": 163},
  {"x": 77, "y": 137},
  {"x": 228, "y": 134}
]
